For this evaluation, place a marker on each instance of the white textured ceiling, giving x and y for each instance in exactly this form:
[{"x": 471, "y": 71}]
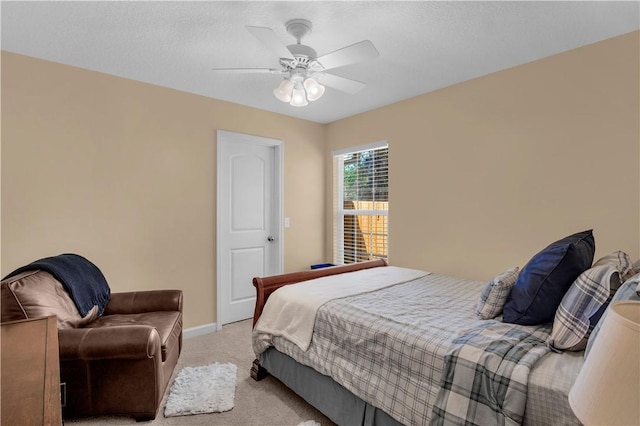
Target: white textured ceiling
[{"x": 423, "y": 45}]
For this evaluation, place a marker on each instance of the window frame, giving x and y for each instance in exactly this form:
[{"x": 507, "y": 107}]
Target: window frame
[{"x": 338, "y": 199}]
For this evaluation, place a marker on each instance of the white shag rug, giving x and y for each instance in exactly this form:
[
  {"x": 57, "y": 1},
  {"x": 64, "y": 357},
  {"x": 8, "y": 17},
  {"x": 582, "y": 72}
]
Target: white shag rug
[
  {"x": 310, "y": 423},
  {"x": 198, "y": 390}
]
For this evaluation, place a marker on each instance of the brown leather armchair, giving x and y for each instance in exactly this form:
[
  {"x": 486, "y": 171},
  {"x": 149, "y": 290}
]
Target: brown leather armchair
[{"x": 118, "y": 363}]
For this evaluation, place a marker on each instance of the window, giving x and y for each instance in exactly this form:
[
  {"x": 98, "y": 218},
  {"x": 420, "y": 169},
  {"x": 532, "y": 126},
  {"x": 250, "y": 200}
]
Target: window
[{"x": 361, "y": 203}]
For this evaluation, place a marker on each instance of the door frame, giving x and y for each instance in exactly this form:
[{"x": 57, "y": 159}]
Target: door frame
[{"x": 277, "y": 202}]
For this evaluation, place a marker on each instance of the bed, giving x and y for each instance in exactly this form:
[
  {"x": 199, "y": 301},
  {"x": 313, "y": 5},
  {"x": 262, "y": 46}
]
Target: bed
[{"x": 376, "y": 357}]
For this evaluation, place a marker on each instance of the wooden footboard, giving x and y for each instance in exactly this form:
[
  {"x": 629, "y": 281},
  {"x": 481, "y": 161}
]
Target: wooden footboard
[{"x": 267, "y": 285}]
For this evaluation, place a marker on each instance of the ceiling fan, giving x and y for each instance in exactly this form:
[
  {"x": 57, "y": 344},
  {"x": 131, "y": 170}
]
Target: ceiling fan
[{"x": 305, "y": 71}]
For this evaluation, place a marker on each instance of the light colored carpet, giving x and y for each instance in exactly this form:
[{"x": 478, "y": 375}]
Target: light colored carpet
[
  {"x": 204, "y": 389},
  {"x": 264, "y": 403}
]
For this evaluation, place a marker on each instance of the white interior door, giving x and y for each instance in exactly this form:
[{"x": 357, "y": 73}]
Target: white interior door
[{"x": 249, "y": 220}]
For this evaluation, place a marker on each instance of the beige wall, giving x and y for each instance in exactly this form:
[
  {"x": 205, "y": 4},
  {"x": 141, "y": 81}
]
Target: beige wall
[
  {"x": 124, "y": 173},
  {"x": 483, "y": 173},
  {"x": 486, "y": 173}
]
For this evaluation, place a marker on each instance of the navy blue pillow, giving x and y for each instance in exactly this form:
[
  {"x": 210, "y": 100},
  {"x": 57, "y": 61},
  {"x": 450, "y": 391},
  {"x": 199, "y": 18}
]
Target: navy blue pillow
[{"x": 546, "y": 278}]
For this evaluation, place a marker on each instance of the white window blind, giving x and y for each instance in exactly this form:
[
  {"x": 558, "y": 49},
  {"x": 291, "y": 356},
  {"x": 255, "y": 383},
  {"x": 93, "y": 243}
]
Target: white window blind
[{"x": 361, "y": 203}]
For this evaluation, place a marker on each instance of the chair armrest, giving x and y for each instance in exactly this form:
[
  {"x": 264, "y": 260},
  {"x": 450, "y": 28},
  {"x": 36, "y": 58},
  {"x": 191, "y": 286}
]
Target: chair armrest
[
  {"x": 117, "y": 342},
  {"x": 136, "y": 302}
]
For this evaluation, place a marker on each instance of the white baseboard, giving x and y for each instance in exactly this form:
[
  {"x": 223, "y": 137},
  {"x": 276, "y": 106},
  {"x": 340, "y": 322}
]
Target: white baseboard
[{"x": 200, "y": 330}]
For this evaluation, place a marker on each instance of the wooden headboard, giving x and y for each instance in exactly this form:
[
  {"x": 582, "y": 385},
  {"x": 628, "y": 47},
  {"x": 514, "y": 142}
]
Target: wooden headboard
[{"x": 267, "y": 285}]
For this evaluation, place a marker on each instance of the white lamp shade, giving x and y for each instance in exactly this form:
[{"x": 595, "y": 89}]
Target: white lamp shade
[
  {"x": 283, "y": 91},
  {"x": 607, "y": 390},
  {"x": 314, "y": 89},
  {"x": 298, "y": 97}
]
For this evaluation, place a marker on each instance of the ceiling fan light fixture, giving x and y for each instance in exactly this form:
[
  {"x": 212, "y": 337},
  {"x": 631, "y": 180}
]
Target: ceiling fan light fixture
[
  {"x": 301, "y": 64},
  {"x": 284, "y": 90},
  {"x": 314, "y": 89},
  {"x": 298, "y": 97}
]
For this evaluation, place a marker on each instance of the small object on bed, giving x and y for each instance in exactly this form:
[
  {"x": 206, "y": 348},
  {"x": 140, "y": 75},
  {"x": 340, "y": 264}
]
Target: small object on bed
[{"x": 321, "y": 265}]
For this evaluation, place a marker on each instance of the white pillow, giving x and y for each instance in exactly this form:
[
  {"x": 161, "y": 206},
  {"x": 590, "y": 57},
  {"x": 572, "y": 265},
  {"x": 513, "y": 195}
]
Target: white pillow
[{"x": 495, "y": 293}]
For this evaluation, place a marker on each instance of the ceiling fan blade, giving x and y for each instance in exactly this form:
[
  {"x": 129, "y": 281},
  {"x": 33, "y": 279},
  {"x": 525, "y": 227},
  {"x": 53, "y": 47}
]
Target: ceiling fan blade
[
  {"x": 341, "y": 83},
  {"x": 355, "y": 53},
  {"x": 271, "y": 40},
  {"x": 249, "y": 70}
]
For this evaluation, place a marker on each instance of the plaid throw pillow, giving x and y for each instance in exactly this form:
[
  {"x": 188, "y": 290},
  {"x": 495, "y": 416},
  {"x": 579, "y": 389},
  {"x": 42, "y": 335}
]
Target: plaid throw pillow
[
  {"x": 585, "y": 301},
  {"x": 622, "y": 262},
  {"x": 635, "y": 269},
  {"x": 585, "y": 296},
  {"x": 630, "y": 290},
  {"x": 495, "y": 294}
]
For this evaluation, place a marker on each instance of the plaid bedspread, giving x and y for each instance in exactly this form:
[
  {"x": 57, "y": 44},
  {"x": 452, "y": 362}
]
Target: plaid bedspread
[
  {"x": 486, "y": 374},
  {"x": 388, "y": 348}
]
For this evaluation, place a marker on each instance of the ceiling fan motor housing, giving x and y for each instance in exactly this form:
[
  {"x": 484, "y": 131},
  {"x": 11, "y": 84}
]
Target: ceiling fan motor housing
[
  {"x": 302, "y": 50},
  {"x": 298, "y": 28},
  {"x": 303, "y": 55}
]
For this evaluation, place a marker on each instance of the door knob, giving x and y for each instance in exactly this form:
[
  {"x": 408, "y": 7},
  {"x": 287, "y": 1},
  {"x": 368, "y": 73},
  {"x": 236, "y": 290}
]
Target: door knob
[{"x": 271, "y": 238}]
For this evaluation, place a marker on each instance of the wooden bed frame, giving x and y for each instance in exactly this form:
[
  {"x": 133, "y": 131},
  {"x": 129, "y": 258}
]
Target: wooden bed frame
[{"x": 267, "y": 285}]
